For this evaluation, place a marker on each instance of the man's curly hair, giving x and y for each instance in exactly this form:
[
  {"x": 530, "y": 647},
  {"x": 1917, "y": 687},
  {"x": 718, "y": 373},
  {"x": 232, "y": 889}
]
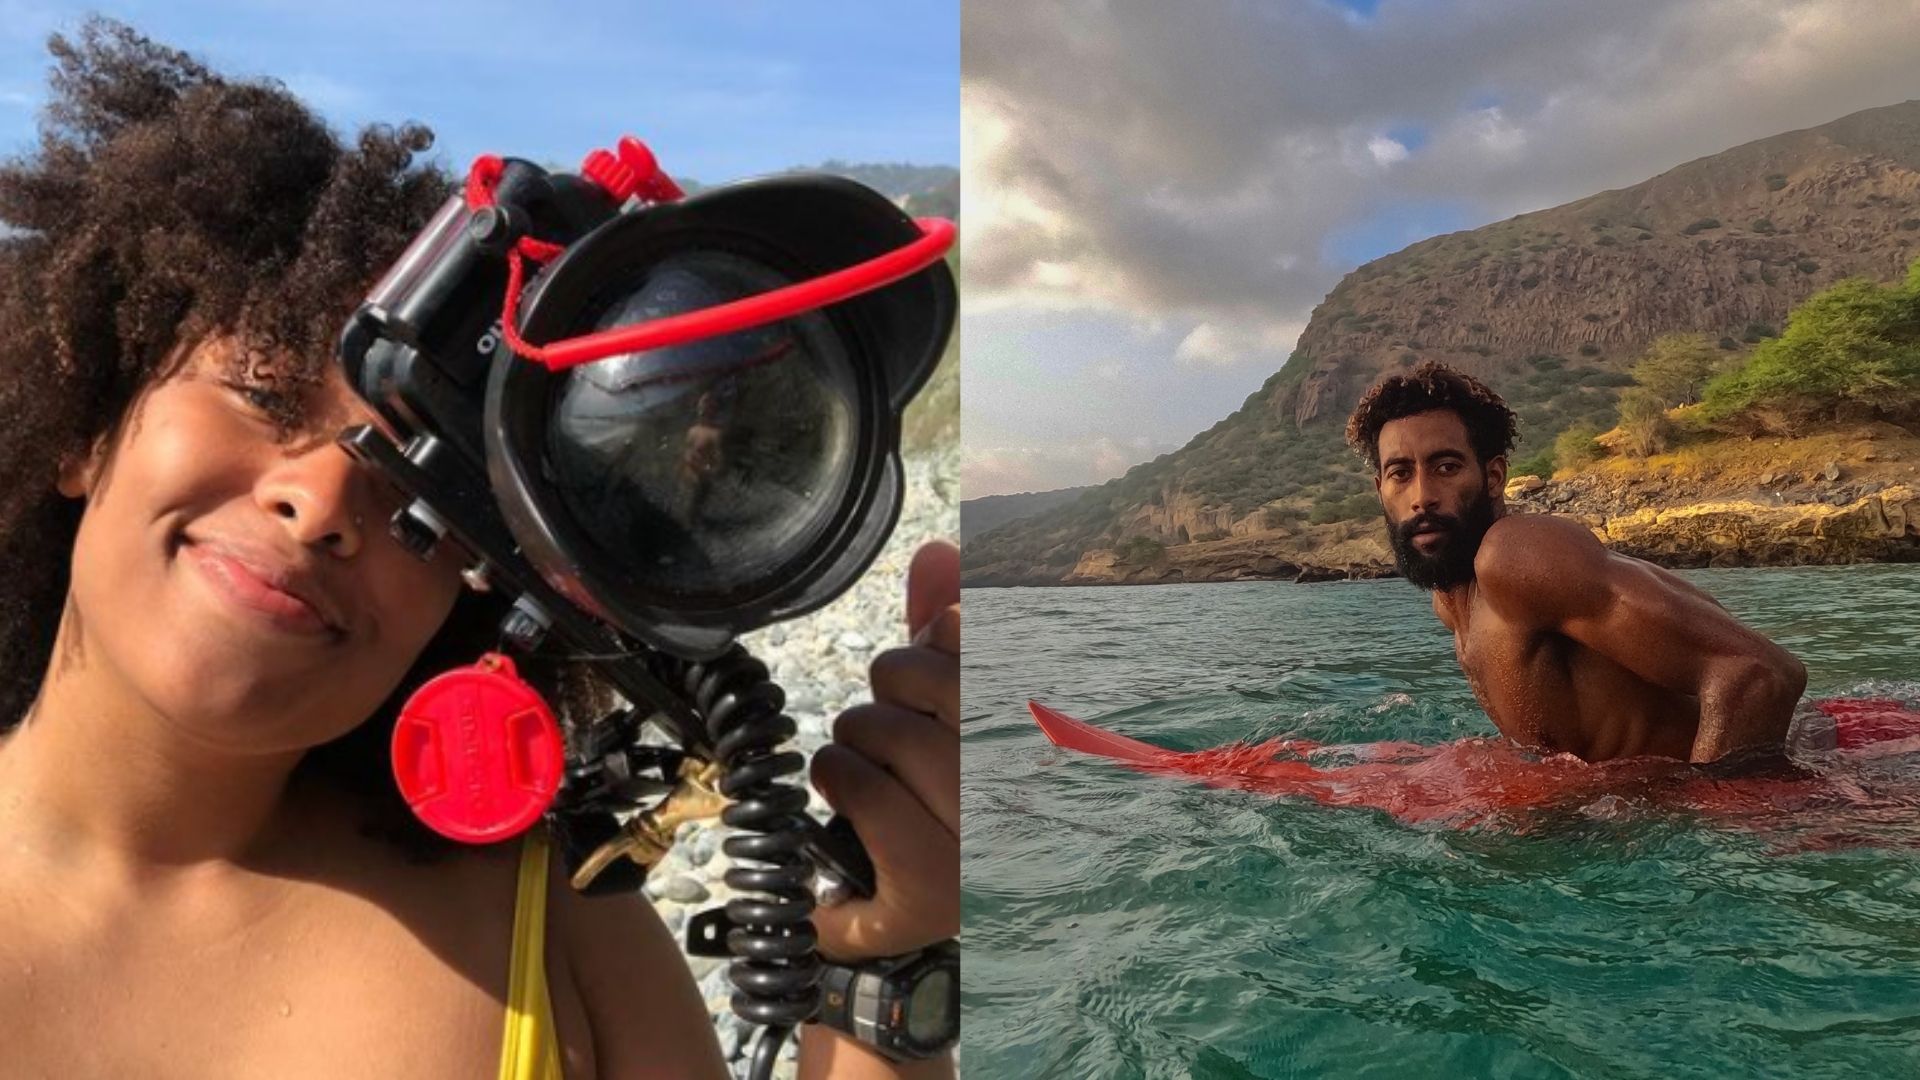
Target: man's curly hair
[
  {"x": 1491, "y": 426},
  {"x": 164, "y": 205}
]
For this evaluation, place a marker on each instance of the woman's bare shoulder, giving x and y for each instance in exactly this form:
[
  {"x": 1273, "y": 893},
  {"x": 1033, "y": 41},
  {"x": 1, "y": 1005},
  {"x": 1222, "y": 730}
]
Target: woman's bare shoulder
[{"x": 628, "y": 995}]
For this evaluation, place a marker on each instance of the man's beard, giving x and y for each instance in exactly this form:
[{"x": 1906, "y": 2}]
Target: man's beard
[{"x": 1451, "y": 564}]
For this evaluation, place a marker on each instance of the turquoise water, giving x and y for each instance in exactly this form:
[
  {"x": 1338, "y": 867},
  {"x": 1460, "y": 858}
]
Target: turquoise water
[{"x": 1131, "y": 925}]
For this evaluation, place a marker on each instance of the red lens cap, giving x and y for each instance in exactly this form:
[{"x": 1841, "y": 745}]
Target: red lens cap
[{"x": 477, "y": 753}]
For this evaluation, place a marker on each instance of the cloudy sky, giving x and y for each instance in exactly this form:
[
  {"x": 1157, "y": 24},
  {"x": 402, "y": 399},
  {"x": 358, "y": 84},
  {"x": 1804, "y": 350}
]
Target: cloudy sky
[
  {"x": 720, "y": 89},
  {"x": 1157, "y": 194}
]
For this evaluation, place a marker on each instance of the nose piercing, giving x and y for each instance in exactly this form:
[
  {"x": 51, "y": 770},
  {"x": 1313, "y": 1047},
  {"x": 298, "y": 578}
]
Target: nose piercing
[{"x": 358, "y": 521}]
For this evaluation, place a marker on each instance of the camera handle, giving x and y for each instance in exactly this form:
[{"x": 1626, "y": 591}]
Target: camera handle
[{"x": 776, "y": 846}]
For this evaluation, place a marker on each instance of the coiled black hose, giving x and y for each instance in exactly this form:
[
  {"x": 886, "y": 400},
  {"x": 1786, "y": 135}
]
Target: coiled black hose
[{"x": 776, "y": 970}]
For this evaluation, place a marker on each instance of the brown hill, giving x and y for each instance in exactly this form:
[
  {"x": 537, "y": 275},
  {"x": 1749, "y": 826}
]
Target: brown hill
[{"x": 1549, "y": 307}]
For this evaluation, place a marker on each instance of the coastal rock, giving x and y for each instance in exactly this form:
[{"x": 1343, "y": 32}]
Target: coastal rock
[
  {"x": 1341, "y": 551},
  {"x": 1883, "y": 527}
]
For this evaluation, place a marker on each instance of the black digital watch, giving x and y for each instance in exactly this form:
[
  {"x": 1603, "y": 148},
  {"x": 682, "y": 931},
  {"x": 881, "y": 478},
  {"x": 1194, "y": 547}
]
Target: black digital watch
[{"x": 905, "y": 1007}]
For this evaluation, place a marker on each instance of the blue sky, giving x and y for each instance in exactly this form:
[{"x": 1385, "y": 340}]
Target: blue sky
[{"x": 719, "y": 89}]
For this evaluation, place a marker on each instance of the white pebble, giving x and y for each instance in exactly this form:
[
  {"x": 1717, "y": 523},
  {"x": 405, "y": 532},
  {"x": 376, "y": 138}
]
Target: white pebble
[{"x": 685, "y": 889}]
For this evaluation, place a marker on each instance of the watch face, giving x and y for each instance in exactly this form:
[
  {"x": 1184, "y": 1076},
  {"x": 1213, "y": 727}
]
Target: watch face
[{"x": 929, "y": 1015}]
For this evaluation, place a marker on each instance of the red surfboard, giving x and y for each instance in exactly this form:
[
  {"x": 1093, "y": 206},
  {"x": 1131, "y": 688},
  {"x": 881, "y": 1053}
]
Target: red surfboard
[{"x": 1471, "y": 780}]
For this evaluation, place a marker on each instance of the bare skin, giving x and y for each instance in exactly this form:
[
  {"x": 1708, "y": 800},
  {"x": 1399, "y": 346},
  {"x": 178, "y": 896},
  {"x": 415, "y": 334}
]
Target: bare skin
[
  {"x": 174, "y": 904},
  {"x": 1571, "y": 648}
]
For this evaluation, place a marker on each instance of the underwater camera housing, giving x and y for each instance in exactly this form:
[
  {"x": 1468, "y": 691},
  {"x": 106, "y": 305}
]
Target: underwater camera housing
[{"x": 682, "y": 427}]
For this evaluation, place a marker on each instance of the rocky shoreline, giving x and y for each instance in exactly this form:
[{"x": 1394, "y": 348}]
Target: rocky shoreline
[
  {"x": 1795, "y": 514},
  {"x": 821, "y": 661}
]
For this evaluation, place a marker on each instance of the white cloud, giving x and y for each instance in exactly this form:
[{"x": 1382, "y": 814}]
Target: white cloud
[
  {"x": 1002, "y": 470},
  {"x": 1386, "y": 151},
  {"x": 1494, "y": 134},
  {"x": 1146, "y": 159},
  {"x": 1230, "y": 344}
]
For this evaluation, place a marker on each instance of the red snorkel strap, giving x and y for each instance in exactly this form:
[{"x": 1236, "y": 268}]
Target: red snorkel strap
[{"x": 635, "y": 173}]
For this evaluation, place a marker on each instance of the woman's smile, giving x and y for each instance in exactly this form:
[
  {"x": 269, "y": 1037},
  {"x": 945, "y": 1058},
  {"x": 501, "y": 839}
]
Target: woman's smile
[{"x": 252, "y": 583}]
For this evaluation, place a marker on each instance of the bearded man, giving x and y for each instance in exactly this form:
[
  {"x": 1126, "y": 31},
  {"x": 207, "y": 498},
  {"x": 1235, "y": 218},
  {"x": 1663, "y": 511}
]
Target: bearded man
[{"x": 1568, "y": 646}]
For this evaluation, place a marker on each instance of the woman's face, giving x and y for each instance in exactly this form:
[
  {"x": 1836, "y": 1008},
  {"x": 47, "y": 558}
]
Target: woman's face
[{"x": 241, "y": 581}]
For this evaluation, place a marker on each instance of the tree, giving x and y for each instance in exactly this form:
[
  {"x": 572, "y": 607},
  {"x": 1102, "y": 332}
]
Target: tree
[
  {"x": 1677, "y": 367},
  {"x": 1644, "y": 422},
  {"x": 1852, "y": 349}
]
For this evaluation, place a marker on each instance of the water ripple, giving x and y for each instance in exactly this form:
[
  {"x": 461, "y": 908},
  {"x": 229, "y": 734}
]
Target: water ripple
[{"x": 1126, "y": 925}]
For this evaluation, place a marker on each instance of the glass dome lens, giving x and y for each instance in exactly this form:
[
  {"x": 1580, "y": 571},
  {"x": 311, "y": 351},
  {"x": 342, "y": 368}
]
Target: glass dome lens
[{"x": 704, "y": 468}]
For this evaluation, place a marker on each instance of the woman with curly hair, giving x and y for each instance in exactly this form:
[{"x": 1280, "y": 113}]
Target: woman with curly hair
[{"x": 206, "y": 632}]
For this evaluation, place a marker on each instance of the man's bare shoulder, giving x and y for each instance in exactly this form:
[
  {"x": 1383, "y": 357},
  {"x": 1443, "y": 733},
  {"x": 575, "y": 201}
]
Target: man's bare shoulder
[{"x": 1526, "y": 557}]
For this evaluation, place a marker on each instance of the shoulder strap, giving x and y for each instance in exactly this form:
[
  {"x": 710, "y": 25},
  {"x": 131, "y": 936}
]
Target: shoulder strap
[{"x": 530, "y": 1051}]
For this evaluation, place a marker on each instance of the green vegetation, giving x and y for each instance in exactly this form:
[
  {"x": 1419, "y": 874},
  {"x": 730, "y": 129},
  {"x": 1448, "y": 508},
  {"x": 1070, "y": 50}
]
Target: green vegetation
[
  {"x": 1676, "y": 368},
  {"x": 1644, "y": 423},
  {"x": 1702, "y": 225},
  {"x": 1576, "y": 447},
  {"x": 1762, "y": 226},
  {"x": 1850, "y": 350},
  {"x": 1140, "y": 550},
  {"x": 1776, "y": 181},
  {"x": 1364, "y": 505},
  {"x": 1540, "y": 464}
]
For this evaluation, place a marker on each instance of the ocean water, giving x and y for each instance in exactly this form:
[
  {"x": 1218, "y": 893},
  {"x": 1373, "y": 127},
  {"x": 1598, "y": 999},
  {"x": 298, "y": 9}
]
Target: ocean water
[{"x": 1126, "y": 924}]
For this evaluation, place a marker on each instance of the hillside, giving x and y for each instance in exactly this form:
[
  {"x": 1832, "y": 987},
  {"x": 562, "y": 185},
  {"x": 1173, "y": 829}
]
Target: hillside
[
  {"x": 924, "y": 189},
  {"x": 992, "y": 511},
  {"x": 898, "y": 181},
  {"x": 1549, "y": 307}
]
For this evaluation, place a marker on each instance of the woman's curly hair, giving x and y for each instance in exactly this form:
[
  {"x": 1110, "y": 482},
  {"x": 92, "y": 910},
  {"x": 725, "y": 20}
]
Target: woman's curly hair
[
  {"x": 166, "y": 204},
  {"x": 1491, "y": 426}
]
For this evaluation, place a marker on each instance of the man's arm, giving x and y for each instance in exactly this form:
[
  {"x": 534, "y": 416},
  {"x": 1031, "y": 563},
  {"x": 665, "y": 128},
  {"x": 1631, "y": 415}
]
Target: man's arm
[{"x": 1555, "y": 576}]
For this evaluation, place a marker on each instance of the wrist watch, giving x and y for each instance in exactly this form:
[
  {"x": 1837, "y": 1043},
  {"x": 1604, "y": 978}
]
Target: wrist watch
[{"x": 905, "y": 1007}]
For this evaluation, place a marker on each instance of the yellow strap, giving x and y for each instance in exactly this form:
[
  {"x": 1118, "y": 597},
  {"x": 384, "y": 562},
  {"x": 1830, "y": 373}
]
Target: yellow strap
[{"x": 530, "y": 1050}]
